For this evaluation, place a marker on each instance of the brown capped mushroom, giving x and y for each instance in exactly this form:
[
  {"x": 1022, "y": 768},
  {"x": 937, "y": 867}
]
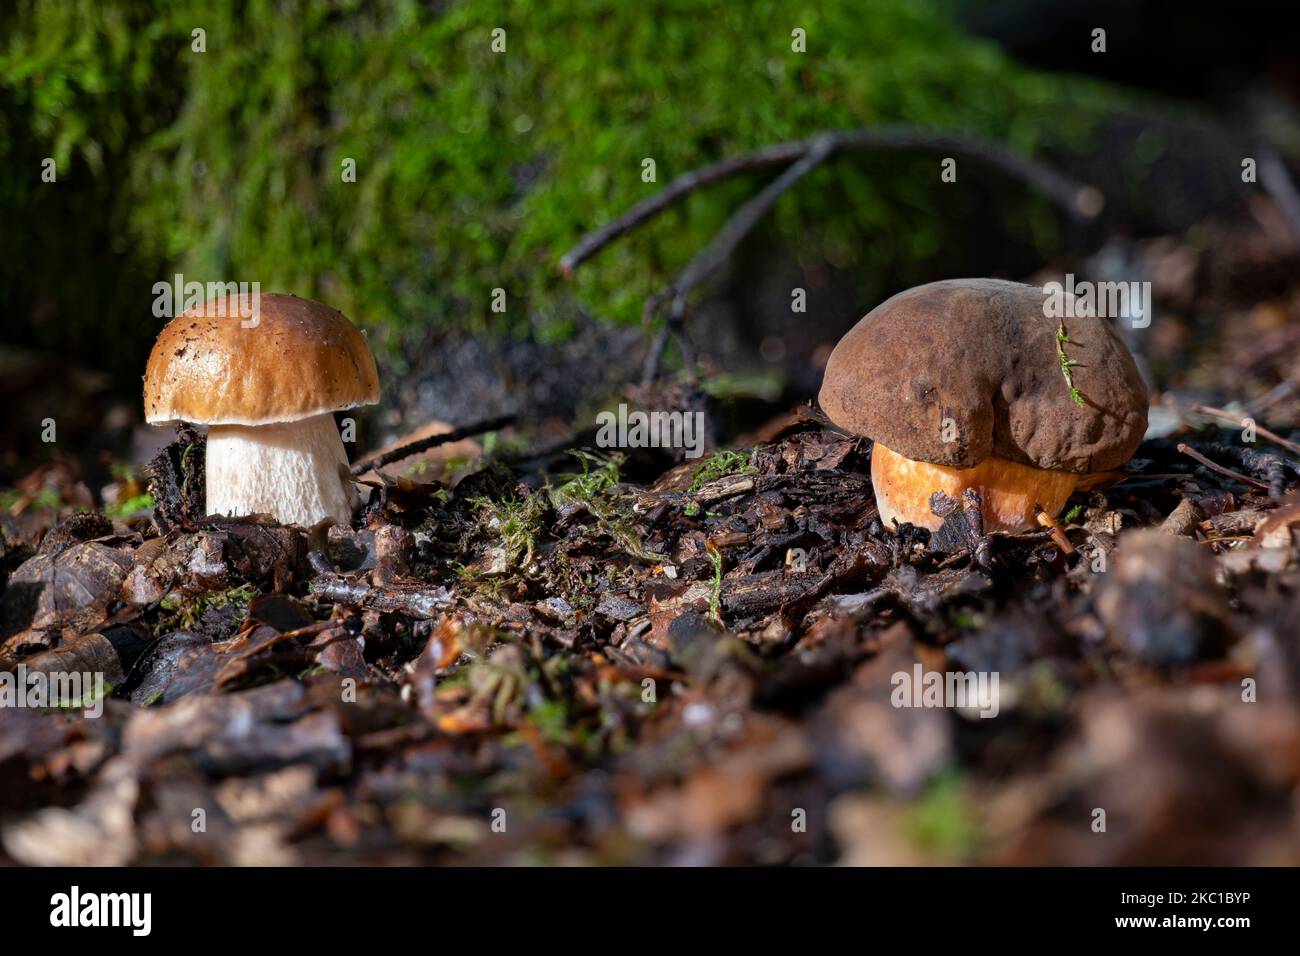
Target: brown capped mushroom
[
  {"x": 960, "y": 385},
  {"x": 267, "y": 391}
]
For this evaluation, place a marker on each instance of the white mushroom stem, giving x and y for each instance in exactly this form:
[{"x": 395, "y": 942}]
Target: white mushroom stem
[{"x": 295, "y": 471}]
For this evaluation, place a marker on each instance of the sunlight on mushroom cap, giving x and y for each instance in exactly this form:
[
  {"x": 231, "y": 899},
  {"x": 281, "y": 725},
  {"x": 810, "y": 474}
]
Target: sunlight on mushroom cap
[
  {"x": 266, "y": 385},
  {"x": 964, "y": 377}
]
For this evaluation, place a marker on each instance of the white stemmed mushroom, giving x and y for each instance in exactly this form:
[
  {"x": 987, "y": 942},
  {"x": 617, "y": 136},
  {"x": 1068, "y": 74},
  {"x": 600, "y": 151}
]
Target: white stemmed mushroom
[{"x": 267, "y": 391}]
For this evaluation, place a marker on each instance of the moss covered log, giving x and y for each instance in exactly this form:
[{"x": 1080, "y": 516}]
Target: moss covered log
[{"x": 475, "y": 167}]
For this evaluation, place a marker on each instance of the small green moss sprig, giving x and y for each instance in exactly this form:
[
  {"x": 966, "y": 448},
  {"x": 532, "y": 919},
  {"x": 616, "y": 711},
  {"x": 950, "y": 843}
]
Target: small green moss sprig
[
  {"x": 1067, "y": 363},
  {"x": 715, "y": 597},
  {"x": 719, "y": 465}
]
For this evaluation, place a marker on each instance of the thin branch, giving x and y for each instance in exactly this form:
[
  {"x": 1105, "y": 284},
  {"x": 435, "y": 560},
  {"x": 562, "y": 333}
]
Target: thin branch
[
  {"x": 1216, "y": 467},
  {"x": 1075, "y": 198},
  {"x": 719, "y": 249},
  {"x": 412, "y": 599},
  {"x": 745, "y": 218},
  {"x": 650, "y": 368},
  {"x": 1242, "y": 422},
  {"x": 1078, "y": 200},
  {"x": 593, "y": 242},
  {"x": 802, "y": 157},
  {"x": 1054, "y": 529},
  {"x": 423, "y": 444},
  {"x": 1279, "y": 392}
]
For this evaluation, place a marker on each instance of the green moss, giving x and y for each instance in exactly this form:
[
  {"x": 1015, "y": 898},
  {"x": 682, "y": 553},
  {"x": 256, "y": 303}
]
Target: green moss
[
  {"x": 46, "y": 499},
  {"x": 719, "y": 465},
  {"x": 943, "y": 821},
  {"x": 183, "y": 612},
  {"x": 599, "y": 474},
  {"x": 715, "y": 593},
  {"x": 475, "y": 170},
  {"x": 1067, "y": 364},
  {"x": 132, "y": 505},
  {"x": 519, "y": 523},
  {"x": 551, "y": 717},
  {"x": 596, "y": 489}
]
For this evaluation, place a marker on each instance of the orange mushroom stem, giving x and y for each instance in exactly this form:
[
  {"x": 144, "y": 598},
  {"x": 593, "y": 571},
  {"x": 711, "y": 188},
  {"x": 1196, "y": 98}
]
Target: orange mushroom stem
[{"x": 1011, "y": 493}]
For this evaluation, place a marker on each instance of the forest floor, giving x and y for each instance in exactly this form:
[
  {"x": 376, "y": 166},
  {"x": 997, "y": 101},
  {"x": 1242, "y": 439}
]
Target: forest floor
[{"x": 579, "y": 658}]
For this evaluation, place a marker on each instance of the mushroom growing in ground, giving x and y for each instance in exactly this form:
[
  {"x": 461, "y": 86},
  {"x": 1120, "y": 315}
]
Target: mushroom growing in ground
[
  {"x": 267, "y": 391},
  {"x": 970, "y": 385}
]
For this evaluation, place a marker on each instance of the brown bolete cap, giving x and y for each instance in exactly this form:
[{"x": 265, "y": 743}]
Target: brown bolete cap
[
  {"x": 983, "y": 353},
  {"x": 300, "y": 359}
]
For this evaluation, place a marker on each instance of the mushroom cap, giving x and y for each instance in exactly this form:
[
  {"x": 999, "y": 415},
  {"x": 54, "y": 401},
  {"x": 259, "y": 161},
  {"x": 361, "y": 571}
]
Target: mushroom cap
[
  {"x": 300, "y": 359},
  {"x": 983, "y": 354}
]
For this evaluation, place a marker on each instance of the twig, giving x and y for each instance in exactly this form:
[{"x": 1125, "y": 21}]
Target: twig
[
  {"x": 717, "y": 252},
  {"x": 1079, "y": 200},
  {"x": 675, "y": 327},
  {"x": 746, "y": 217},
  {"x": 1183, "y": 519},
  {"x": 1076, "y": 198},
  {"x": 650, "y": 369},
  {"x": 1271, "y": 464},
  {"x": 1054, "y": 528},
  {"x": 1215, "y": 467},
  {"x": 725, "y": 487},
  {"x": 647, "y": 209},
  {"x": 802, "y": 156},
  {"x": 414, "y": 600},
  {"x": 1279, "y": 392},
  {"x": 1241, "y": 423},
  {"x": 423, "y": 444},
  {"x": 1230, "y": 523}
]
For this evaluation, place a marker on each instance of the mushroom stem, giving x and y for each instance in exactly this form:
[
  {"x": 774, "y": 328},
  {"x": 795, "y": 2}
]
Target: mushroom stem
[
  {"x": 296, "y": 472},
  {"x": 1011, "y": 493}
]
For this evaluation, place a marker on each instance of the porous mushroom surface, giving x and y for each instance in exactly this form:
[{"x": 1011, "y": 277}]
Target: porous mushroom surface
[
  {"x": 266, "y": 386},
  {"x": 960, "y": 385}
]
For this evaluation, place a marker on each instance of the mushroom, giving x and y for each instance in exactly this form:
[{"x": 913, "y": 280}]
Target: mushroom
[
  {"x": 266, "y": 390},
  {"x": 963, "y": 385}
]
